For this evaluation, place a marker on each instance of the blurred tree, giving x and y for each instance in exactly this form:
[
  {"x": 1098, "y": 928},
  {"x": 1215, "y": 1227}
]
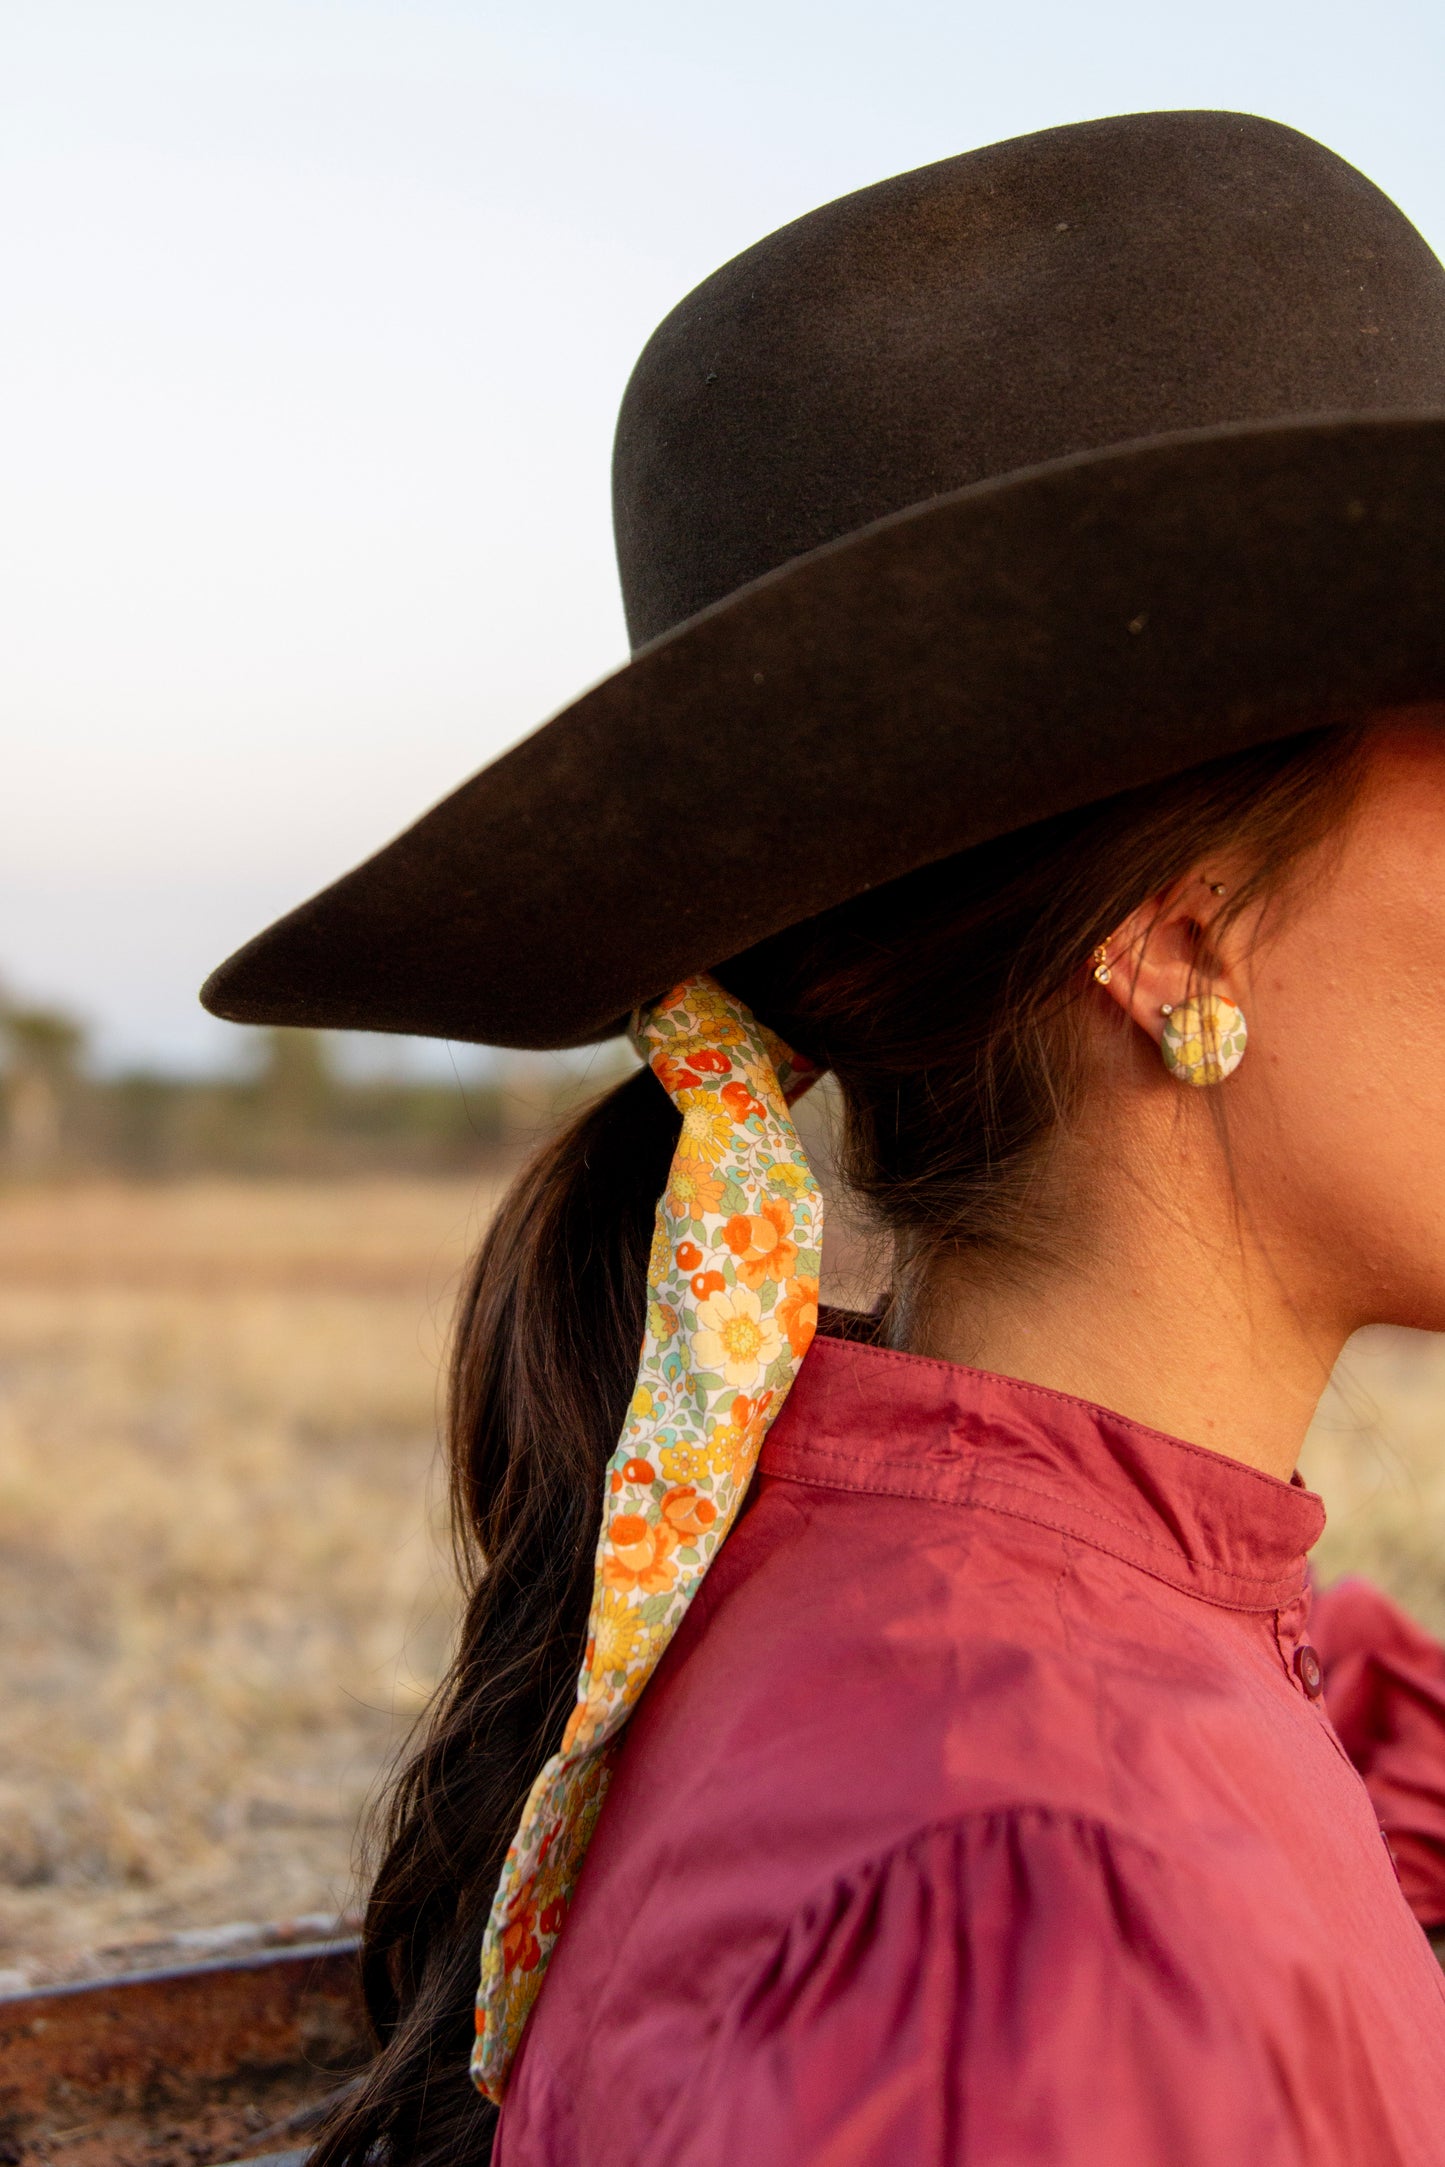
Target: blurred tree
[
  {"x": 296, "y": 1082},
  {"x": 42, "y": 1057}
]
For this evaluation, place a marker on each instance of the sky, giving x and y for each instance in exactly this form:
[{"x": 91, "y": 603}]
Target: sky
[{"x": 314, "y": 319}]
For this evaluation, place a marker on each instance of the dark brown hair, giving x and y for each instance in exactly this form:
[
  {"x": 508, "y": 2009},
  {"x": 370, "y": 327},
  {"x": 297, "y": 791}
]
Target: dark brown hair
[{"x": 947, "y": 1006}]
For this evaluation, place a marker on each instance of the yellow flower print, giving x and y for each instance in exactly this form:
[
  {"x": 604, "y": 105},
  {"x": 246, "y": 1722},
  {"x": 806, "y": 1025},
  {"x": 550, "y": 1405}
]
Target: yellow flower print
[
  {"x": 659, "y": 1256},
  {"x": 643, "y": 1404},
  {"x": 706, "y": 1134},
  {"x": 790, "y": 1177},
  {"x": 662, "y": 1320},
  {"x": 734, "y": 1336},
  {"x": 763, "y": 1083},
  {"x": 713, "y": 1020},
  {"x": 684, "y": 1463},
  {"x": 621, "y": 1634},
  {"x": 729, "y": 1453}
]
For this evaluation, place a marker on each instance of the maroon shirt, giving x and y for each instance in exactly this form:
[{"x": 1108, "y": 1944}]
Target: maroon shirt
[{"x": 985, "y": 1811}]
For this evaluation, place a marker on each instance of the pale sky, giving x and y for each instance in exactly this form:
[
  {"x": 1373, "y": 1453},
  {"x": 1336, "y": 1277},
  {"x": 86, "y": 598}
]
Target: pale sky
[{"x": 314, "y": 317}]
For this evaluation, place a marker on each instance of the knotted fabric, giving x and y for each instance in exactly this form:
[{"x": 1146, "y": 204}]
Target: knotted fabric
[{"x": 732, "y": 1305}]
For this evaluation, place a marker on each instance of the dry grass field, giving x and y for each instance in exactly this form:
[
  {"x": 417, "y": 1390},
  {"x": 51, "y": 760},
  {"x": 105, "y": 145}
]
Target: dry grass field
[
  {"x": 222, "y": 1593},
  {"x": 221, "y": 1596}
]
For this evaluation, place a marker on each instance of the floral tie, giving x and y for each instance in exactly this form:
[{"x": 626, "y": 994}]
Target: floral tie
[{"x": 732, "y": 1305}]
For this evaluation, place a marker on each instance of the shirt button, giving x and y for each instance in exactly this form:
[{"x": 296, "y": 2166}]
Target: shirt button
[{"x": 1308, "y": 1670}]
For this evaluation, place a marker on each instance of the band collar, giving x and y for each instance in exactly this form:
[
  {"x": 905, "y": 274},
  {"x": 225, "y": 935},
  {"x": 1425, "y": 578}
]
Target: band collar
[{"x": 865, "y": 1418}]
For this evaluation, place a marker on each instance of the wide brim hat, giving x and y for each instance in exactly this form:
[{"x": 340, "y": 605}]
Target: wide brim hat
[{"x": 976, "y": 497}]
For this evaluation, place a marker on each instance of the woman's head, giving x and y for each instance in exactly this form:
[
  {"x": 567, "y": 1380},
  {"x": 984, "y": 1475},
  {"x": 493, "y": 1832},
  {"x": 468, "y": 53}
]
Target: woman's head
[
  {"x": 996, "y": 1099},
  {"x": 975, "y": 1051},
  {"x": 1336, "y": 1118}
]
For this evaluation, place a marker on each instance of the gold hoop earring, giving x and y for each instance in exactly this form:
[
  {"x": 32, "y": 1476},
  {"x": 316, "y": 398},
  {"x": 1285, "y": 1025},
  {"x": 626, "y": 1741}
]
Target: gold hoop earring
[{"x": 1204, "y": 1040}]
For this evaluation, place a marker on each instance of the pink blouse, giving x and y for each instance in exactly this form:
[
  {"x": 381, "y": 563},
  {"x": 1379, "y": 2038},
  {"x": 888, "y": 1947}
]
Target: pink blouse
[{"x": 986, "y": 1810}]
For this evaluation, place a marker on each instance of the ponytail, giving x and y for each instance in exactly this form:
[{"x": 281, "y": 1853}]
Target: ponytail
[{"x": 543, "y": 1364}]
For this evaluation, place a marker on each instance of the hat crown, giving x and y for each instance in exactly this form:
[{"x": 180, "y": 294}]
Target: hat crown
[{"x": 1058, "y": 293}]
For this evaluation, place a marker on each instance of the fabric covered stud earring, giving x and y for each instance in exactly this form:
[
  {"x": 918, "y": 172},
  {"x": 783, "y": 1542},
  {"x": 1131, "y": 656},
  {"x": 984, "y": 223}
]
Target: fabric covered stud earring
[{"x": 1204, "y": 1039}]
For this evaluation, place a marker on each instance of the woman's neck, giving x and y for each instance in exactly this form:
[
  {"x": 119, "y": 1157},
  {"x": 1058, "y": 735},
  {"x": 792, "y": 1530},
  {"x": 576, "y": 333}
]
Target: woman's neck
[{"x": 1158, "y": 1305}]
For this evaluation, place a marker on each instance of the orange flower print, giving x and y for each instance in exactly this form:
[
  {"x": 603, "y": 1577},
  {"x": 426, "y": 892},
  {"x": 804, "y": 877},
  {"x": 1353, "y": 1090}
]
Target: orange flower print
[
  {"x": 709, "y": 1062},
  {"x": 762, "y": 1243},
  {"x": 733, "y": 1447},
  {"x": 673, "y": 1076},
  {"x": 692, "y": 1192},
  {"x": 639, "y": 1555},
  {"x": 739, "y": 1101},
  {"x": 687, "y": 1512},
  {"x": 798, "y": 1315},
  {"x": 705, "y": 1283},
  {"x": 689, "y": 1256},
  {"x": 521, "y": 1949}
]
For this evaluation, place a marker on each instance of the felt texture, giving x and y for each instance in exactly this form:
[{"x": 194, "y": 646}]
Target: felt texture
[
  {"x": 977, "y": 496},
  {"x": 1052, "y": 295}
]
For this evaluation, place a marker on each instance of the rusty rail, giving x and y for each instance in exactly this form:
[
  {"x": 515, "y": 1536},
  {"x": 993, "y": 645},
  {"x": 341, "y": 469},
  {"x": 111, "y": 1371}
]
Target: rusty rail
[{"x": 203, "y": 2063}]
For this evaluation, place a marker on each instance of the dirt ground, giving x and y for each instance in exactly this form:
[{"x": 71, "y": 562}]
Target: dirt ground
[{"x": 223, "y": 1596}]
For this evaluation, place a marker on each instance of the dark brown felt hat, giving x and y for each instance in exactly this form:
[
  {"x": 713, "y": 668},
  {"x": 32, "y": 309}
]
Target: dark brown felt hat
[{"x": 987, "y": 493}]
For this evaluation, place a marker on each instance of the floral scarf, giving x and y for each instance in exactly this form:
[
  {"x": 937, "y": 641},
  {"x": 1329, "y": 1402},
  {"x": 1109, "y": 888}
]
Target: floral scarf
[{"x": 732, "y": 1305}]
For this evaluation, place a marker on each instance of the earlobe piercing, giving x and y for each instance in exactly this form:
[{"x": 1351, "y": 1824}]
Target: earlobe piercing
[
  {"x": 1101, "y": 964},
  {"x": 1204, "y": 1039}
]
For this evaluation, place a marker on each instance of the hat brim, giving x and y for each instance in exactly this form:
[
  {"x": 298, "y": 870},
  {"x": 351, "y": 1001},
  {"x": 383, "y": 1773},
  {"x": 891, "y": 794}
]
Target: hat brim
[{"x": 982, "y": 661}]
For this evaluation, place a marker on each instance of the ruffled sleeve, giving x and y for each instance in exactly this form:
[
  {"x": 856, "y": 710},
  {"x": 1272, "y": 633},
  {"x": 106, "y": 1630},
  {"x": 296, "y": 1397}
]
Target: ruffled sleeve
[
  {"x": 1385, "y": 1692},
  {"x": 1023, "y": 1989}
]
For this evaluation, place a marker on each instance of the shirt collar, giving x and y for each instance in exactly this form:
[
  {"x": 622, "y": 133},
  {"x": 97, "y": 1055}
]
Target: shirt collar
[{"x": 865, "y": 1418}]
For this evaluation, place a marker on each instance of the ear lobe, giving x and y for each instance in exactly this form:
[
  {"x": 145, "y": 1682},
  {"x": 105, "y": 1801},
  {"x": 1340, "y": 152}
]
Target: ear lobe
[{"x": 1133, "y": 988}]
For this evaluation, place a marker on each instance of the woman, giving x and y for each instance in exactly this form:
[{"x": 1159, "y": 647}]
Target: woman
[{"x": 908, "y": 1747}]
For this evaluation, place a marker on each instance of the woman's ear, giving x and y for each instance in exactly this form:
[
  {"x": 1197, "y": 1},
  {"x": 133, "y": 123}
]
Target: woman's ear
[{"x": 1155, "y": 960}]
